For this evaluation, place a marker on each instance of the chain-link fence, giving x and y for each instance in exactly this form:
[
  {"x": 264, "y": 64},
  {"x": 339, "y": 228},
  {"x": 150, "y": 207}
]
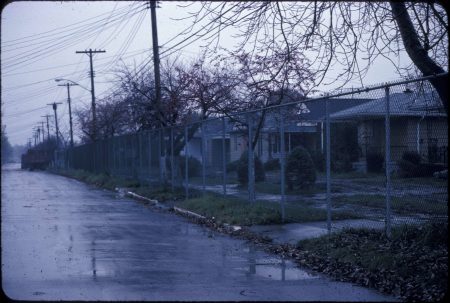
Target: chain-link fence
[{"x": 373, "y": 157}]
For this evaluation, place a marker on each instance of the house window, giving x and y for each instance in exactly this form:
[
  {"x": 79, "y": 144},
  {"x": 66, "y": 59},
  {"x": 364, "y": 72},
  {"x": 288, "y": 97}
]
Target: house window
[{"x": 235, "y": 143}]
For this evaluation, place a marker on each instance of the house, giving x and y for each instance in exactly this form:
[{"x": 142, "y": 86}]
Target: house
[
  {"x": 417, "y": 123},
  {"x": 303, "y": 125},
  {"x": 213, "y": 135}
]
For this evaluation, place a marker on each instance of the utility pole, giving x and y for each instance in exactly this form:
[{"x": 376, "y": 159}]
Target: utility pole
[
  {"x": 35, "y": 138},
  {"x": 70, "y": 108},
  {"x": 48, "y": 127},
  {"x": 94, "y": 119},
  {"x": 54, "y": 105},
  {"x": 37, "y": 131},
  {"x": 156, "y": 60},
  {"x": 43, "y": 131}
]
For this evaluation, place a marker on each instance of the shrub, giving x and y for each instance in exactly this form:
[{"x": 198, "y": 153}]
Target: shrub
[
  {"x": 232, "y": 166},
  {"x": 412, "y": 157},
  {"x": 242, "y": 169},
  {"x": 407, "y": 169},
  {"x": 318, "y": 160},
  {"x": 194, "y": 166},
  {"x": 272, "y": 164},
  {"x": 300, "y": 170},
  {"x": 374, "y": 162},
  {"x": 411, "y": 167}
]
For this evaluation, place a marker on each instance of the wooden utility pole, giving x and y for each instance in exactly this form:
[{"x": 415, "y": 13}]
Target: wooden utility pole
[
  {"x": 43, "y": 131},
  {"x": 156, "y": 61},
  {"x": 70, "y": 109},
  {"x": 94, "y": 118},
  {"x": 54, "y": 105},
  {"x": 48, "y": 127}
]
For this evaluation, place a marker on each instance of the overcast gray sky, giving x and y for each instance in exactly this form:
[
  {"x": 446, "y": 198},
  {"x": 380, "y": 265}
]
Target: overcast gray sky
[{"x": 39, "y": 40}]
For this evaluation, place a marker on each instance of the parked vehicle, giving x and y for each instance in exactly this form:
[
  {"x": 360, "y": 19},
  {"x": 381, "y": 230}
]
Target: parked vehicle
[{"x": 36, "y": 159}]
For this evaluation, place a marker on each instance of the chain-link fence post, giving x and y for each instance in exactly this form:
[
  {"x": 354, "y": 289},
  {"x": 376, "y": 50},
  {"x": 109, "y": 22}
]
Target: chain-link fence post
[
  {"x": 133, "y": 155},
  {"x": 282, "y": 165},
  {"x": 251, "y": 161},
  {"x": 224, "y": 159},
  {"x": 149, "y": 135},
  {"x": 114, "y": 155},
  {"x": 186, "y": 166},
  {"x": 123, "y": 145},
  {"x": 160, "y": 138},
  {"x": 172, "y": 162},
  {"x": 388, "y": 163},
  {"x": 140, "y": 157},
  {"x": 203, "y": 149},
  {"x": 328, "y": 163}
]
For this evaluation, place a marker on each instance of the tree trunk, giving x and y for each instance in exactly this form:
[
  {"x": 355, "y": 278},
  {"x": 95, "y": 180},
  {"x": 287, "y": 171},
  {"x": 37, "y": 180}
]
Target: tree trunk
[{"x": 417, "y": 53}]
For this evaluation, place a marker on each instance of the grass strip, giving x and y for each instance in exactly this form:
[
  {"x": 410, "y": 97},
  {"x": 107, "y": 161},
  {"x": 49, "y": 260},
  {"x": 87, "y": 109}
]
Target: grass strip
[
  {"x": 404, "y": 205},
  {"x": 413, "y": 263},
  {"x": 232, "y": 210}
]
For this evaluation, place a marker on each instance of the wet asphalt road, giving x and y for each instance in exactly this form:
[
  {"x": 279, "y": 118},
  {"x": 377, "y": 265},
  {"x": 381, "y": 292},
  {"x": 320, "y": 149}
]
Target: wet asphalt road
[{"x": 63, "y": 240}]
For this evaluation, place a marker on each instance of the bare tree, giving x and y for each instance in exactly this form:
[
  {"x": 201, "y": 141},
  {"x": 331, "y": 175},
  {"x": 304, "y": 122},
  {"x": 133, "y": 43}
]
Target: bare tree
[
  {"x": 346, "y": 37},
  {"x": 265, "y": 80}
]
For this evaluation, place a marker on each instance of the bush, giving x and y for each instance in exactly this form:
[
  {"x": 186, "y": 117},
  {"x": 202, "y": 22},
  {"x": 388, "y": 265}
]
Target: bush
[
  {"x": 300, "y": 170},
  {"x": 374, "y": 162},
  {"x": 272, "y": 164},
  {"x": 410, "y": 166},
  {"x": 410, "y": 169},
  {"x": 412, "y": 157},
  {"x": 194, "y": 166},
  {"x": 232, "y": 166},
  {"x": 242, "y": 169},
  {"x": 318, "y": 160}
]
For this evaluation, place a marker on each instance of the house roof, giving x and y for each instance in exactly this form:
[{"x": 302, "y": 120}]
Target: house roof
[
  {"x": 315, "y": 110},
  {"x": 410, "y": 104}
]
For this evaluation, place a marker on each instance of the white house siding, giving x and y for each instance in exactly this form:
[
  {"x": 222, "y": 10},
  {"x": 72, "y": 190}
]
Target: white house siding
[{"x": 371, "y": 134}]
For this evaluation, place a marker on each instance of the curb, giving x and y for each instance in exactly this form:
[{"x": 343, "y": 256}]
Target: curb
[
  {"x": 133, "y": 195},
  {"x": 187, "y": 212},
  {"x": 231, "y": 228}
]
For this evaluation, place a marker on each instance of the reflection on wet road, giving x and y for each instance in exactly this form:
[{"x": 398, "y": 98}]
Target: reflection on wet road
[{"x": 62, "y": 240}]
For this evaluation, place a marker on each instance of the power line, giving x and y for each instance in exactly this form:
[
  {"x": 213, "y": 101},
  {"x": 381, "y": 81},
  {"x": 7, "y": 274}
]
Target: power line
[
  {"x": 51, "y": 48},
  {"x": 25, "y": 112},
  {"x": 10, "y": 42}
]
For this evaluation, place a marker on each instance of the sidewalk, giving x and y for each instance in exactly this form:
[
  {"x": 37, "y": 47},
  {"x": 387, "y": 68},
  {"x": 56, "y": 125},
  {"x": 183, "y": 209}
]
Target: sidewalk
[{"x": 293, "y": 232}]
